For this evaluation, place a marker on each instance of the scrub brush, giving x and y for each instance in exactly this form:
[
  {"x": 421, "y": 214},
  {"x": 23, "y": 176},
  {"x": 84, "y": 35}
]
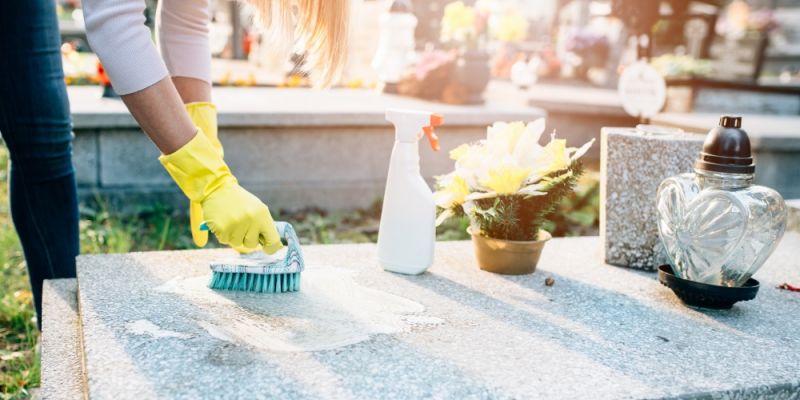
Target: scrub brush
[{"x": 259, "y": 272}]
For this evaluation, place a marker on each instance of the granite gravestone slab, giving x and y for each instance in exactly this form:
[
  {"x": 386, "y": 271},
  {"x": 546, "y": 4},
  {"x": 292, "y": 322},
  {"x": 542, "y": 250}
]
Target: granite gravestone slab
[{"x": 152, "y": 330}]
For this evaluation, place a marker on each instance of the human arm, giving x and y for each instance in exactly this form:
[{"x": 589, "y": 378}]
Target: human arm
[
  {"x": 116, "y": 31},
  {"x": 161, "y": 115}
]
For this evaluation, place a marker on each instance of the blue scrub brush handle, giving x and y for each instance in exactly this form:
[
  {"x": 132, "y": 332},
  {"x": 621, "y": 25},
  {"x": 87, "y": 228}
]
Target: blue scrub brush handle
[
  {"x": 258, "y": 263},
  {"x": 288, "y": 236}
]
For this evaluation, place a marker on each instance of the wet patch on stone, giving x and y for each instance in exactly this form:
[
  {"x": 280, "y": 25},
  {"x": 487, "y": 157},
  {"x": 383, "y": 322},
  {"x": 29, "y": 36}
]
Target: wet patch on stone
[
  {"x": 331, "y": 310},
  {"x": 144, "y": 327}
]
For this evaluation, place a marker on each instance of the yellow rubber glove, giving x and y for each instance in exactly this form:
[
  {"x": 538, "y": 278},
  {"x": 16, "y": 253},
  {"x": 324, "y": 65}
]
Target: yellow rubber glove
[
  {"x": 236, "y": 217},
  {"x": 204, "y": 116}
]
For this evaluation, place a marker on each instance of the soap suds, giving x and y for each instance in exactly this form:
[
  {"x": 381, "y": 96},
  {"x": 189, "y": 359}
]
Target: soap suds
[
  {"x": 145, "y": 327},
  {"x": 422, "y": 320},
  {"x": 214, "y": 331},
  {"x": 330, "y": 311}
]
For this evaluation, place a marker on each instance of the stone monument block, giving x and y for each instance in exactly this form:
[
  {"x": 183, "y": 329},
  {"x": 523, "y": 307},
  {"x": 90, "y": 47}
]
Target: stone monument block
[{"x": 632, "y": 165}]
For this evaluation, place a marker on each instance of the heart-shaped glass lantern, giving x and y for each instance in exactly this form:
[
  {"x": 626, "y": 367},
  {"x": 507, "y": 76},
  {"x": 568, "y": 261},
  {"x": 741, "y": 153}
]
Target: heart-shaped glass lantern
[{"x": 716, "y": 226}]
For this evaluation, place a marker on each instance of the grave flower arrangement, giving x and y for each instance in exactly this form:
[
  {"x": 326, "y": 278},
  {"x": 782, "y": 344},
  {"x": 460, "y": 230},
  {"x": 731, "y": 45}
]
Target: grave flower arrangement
[
  {"x": 762, "y": 21},
  {"x": 507, "y": 185},
  {"x": 463, "y": 25},
  {"x": 464, "y": 29},
  {"x": 591, "y": 47},
  {"x": 673, "y": 65}
]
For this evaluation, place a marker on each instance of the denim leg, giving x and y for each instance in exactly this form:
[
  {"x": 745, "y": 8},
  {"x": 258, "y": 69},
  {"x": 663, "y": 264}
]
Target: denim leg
[{"x": 36, "y": 126}]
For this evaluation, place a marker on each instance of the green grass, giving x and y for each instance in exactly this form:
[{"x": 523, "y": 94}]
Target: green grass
[
  {"x": 162, "y": 228},
  {"x": 157, "y": 228},
  {"x": 19, "y": 358}
]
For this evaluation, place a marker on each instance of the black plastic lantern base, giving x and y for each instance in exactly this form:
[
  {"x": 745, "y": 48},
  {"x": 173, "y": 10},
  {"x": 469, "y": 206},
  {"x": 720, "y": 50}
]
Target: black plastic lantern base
[{"x": 696, "y": 294}]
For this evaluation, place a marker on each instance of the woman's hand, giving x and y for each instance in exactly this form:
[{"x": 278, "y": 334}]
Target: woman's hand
[{"x": 238, "y": 218}]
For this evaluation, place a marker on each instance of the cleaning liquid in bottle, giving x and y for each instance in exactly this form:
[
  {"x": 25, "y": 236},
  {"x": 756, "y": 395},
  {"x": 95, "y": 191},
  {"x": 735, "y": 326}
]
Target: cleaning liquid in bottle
[{"x": 408, "y": 222}]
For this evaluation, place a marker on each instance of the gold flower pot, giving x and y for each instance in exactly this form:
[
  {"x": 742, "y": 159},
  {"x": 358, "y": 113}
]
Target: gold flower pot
[{"x": 508, "y": 257}]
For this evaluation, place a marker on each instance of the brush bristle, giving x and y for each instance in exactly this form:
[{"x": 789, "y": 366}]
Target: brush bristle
[{"x": 258, "y": 283}]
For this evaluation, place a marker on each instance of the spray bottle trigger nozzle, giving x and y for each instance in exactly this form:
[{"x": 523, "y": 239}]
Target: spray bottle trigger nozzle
[
  {"x": 432, "y": 138},
  {"x": 435, "y": 120}
]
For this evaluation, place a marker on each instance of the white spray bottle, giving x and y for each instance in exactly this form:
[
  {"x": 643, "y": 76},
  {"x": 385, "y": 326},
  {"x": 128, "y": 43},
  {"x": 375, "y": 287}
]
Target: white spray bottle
[{"x": 408, "y": 222}]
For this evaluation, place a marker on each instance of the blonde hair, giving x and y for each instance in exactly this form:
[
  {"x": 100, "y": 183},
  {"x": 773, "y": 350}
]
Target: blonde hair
[{"x": 320, "y": 27}]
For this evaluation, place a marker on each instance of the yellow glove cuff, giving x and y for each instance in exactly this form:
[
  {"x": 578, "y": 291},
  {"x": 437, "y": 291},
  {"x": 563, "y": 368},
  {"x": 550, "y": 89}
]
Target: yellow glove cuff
[
  {"x": 197, "y": 168},
  {"x": 204, "y": 116}
]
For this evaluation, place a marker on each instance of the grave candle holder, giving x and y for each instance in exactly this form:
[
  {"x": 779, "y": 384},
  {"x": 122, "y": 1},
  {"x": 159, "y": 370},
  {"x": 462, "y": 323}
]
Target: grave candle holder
[{"x": 717, "y": 227}]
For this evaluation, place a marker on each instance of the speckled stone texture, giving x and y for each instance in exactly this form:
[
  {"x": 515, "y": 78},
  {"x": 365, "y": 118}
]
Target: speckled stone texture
[
  {"x": 793, "y": 224},
  {"x": 632, "y": 165},
  {"x": 599, "y": 332},
  {"x": 62, "y": 373}
]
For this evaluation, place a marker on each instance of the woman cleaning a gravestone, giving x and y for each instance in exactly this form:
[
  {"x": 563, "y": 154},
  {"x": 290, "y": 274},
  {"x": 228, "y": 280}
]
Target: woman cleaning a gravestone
[{"x": 169, "y": 95}]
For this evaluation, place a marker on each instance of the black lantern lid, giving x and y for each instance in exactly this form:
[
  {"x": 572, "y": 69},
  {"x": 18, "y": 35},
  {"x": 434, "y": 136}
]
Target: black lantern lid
[{"x": 727, "y": 148}]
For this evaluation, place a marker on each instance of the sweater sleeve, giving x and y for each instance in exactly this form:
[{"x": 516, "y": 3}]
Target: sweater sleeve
[
  {"x": 182, "y": 28},
  {"x": 117, "y": 33}
]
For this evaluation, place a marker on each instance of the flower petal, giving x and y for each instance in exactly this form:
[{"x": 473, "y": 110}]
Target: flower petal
[
  {"x": 443, "y": 216},
  {"x": 506, "y": 179},
  {"x": 459, "y": 152},
  {"x": 480, "y": 196},
  {"x": 578, "y": 154}
]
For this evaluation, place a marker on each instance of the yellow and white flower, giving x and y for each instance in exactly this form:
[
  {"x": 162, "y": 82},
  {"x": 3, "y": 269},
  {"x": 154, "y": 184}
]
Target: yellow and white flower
[
  {"x": 453, "y": 191},
  {"x": 458, "y": 22},
  {"x": 510, "y": 161},
  {"x": 506, "y": 179}
]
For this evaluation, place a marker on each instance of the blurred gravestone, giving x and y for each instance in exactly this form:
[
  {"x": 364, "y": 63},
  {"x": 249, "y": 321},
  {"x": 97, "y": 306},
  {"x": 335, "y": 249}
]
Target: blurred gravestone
[
  {"x": 695, "y": 31},
  {"x": 363, "y": 41}
]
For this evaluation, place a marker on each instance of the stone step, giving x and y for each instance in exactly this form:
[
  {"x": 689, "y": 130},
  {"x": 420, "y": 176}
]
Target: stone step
[
  {"x": 62, "y": 354},
  {"x": 152, "y": 329}
]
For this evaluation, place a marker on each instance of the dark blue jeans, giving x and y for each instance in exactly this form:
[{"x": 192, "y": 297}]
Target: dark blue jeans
[{"x": 36, "y": 126}]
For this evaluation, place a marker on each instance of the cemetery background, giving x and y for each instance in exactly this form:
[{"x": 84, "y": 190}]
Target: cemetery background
[{"x": 161, "y": 225}]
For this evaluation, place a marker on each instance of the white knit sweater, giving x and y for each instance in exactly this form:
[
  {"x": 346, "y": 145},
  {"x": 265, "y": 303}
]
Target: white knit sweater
[{"x": 116, "y": 32}]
